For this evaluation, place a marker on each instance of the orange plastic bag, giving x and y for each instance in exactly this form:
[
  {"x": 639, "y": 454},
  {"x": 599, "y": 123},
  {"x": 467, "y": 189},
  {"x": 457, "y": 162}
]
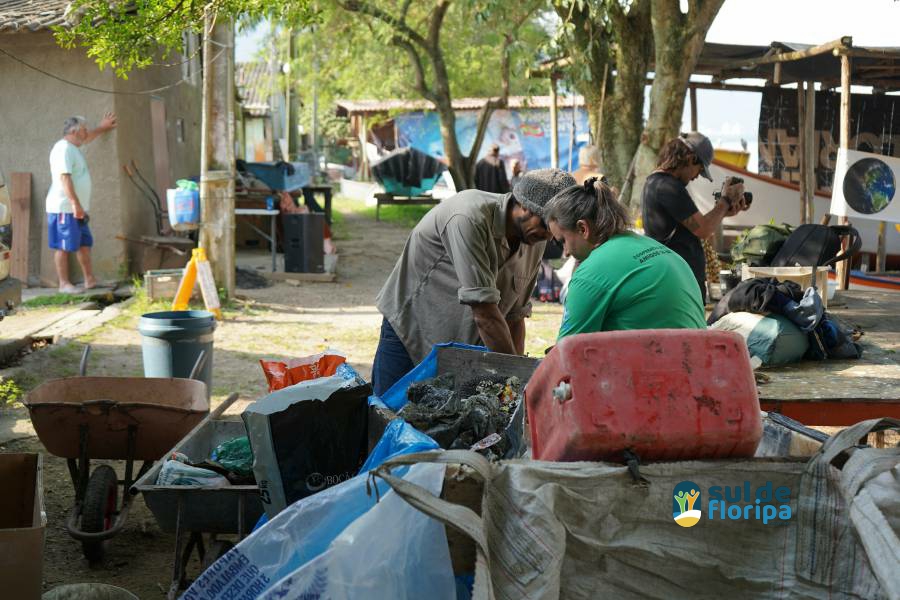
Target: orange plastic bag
[{"x": 280, "y": 374}]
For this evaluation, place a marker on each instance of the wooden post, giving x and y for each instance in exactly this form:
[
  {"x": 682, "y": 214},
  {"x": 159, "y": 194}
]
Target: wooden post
[
  {"x": 363, "y": 140},
  {"x": 217, "y": 150},
  {"x": 843, "y": 267},
  {"x": 812, "y": 151},
  {"x": 694, "y": 126},
  {"x": 292, "y": 110},
  {"x": 801, "y": 139},
  {"x": 554, "y": 124},
  {"x": 20, "y": 204}
]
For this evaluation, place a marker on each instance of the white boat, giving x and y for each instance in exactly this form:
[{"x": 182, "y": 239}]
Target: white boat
[{"x": 778, "y": 200}]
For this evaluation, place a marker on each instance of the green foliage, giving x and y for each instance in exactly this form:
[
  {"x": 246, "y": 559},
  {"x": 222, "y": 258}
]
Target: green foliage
[
  {"x": 133, "y": 34},
  {"x": 55, "y": 300},
  {"x": 10, "y": 391}
]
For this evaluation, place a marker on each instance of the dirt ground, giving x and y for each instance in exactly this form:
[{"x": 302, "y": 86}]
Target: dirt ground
[{"x": 279, "y": 321}]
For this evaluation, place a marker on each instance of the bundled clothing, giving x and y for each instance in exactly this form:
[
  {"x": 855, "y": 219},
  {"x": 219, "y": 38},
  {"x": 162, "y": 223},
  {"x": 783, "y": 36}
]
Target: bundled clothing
[{"x": 827, "y": 337}]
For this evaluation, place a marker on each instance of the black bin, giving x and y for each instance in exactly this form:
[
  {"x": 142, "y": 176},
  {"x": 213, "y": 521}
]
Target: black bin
[{"x": 303, "y": 238}]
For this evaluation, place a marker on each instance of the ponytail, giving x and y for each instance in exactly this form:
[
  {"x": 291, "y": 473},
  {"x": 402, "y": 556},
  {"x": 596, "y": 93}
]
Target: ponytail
[{"x": 594, "y": 202}]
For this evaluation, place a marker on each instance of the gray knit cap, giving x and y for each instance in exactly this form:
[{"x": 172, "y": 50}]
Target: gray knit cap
[{"x": 535, "y": 188}]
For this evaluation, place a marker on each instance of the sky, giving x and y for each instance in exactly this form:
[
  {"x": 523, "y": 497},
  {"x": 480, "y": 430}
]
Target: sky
[{"x": 729, "y": 117}]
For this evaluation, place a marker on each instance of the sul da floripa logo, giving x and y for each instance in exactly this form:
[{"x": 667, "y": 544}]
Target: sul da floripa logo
[
  {"x": 732, "y": 503},
  {"x": 686, "y": 495}
]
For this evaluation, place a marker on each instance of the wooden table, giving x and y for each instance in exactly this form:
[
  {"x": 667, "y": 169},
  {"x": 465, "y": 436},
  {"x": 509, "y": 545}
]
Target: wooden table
[
  {"x": 273, "y": 215},
  {"x": 843, "y": 392},
  {"x": 256, "y": 198},
  {"x": 309, "y": 196},
  {"x": 384, "y": 198}
]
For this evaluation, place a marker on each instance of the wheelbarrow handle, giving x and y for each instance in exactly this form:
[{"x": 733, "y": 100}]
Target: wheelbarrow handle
[
  {"x": 224, "y": 406},
  {"x": 198, "y": 366},
  {"x": 82, "y": 367}
]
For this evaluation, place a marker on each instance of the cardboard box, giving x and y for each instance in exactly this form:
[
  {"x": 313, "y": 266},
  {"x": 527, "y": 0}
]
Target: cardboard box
[{"x": 22, "y": 524}]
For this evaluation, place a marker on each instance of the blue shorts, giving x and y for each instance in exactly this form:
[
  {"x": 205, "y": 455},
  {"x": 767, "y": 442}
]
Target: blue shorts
[{"x": 66, "y": 233}]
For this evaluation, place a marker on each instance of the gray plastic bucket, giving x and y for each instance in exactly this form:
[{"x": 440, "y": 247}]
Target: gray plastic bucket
[
  {"x": 172, "y": 341},
  {"x": 88, "y": 591}
]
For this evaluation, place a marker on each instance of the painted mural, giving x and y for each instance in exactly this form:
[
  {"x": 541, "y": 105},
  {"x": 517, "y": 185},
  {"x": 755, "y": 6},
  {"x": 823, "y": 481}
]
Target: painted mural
[{"x": 523, "y": 134}]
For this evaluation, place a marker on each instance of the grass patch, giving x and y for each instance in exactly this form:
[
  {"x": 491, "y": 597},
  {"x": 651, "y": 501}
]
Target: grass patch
[
  {"x": 406, "y": 216},
  {"x": 55, "y": 300}
]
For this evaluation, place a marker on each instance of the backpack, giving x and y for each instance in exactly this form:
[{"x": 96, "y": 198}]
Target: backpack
[
  {"x": 758, "y": 246},
  {"x": 813, "y": 245}
]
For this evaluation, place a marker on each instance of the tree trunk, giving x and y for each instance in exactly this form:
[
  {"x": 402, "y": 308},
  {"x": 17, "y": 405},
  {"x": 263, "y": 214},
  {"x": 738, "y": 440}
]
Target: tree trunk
[
  {"x": 589, "y": 50},
  {"x": 217, "y": 153},
  {"x": 456, "y": 161},
  {"x": 623, "y": 115},
  {"x": 678, "y": 42}
]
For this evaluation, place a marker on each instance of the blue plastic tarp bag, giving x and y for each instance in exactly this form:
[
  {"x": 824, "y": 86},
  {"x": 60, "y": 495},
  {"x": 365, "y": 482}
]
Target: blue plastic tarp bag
[
  {"x": 393, "y": 551},
  {"x": 395, "y": 397},
  {"x": 399, "y": 437},
  {"x": 340, "y": 543},
  {"x": 307, "y": 528}
]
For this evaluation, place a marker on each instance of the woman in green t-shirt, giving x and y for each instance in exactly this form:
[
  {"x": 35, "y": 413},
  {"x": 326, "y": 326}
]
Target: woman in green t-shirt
[{"x": 625, "y": 280}]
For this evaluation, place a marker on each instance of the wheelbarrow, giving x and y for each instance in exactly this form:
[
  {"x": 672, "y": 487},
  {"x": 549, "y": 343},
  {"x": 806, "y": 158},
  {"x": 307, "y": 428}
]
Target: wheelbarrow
[
  {"x": 111, "y": 418},
  {"x": 198, "y": 515}
]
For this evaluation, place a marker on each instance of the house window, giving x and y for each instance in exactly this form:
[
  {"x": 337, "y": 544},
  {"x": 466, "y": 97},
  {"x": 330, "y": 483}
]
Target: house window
[{"x": 190, "y": 51}]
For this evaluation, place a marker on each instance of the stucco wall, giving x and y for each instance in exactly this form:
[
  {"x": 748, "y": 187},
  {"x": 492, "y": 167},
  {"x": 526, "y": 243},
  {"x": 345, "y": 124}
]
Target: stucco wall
[
  {"x": 34, "y": 107},
  {"x": 135, "y": 139}
]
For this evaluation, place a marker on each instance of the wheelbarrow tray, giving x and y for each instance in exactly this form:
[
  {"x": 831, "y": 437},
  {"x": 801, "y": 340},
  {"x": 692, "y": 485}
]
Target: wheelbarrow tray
[
  {"x": 161, "y": 410},
  {"x": 202, "y": 509}
]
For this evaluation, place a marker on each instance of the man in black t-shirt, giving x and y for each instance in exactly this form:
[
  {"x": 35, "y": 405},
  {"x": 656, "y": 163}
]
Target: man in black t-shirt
[{"x": 669, "y": 213}]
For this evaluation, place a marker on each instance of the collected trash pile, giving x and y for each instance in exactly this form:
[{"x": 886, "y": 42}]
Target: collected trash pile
[
  {"x": 475, "y": 417},
  {"x": 230, "y": 463},
  {"x": 324, "y": 490}
]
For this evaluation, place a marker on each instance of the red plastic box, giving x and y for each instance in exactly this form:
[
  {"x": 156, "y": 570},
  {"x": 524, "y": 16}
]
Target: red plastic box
[{"x": 663, "y": 394}]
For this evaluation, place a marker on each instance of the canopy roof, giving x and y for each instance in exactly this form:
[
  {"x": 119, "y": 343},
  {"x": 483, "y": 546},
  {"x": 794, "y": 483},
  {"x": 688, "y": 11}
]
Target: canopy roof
[{"x": 877, "y": 67}]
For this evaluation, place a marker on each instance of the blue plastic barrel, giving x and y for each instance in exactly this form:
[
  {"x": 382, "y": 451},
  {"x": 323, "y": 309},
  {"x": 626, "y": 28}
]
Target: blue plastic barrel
[
  {"x": 173, "y": 340},
  {"x": 184, "y": 209}
]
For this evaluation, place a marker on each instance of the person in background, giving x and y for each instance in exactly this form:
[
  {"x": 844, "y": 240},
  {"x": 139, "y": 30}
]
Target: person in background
[
  {"x": 670, "y": 215},
  {"x": 68, "y": 201},
  {"x": 490, "y": 173},
  {"x": 588, "y": 164},
  {"x": 517, "y": 172},
  {"x": 625, "y": 280},
  {"x": 465, "y": 275}
]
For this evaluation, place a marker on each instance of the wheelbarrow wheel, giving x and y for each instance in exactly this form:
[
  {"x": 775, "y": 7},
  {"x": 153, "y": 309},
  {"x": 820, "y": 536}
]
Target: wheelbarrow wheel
[{"x": 99, "y": 509}]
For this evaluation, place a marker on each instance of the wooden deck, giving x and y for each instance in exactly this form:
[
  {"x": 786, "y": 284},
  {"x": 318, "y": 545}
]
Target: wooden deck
[{"x": 843, "y": 392}]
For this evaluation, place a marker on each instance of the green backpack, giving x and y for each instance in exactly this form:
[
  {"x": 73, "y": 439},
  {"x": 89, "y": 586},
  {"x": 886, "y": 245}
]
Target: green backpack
[{"x": 758, "y": 246}]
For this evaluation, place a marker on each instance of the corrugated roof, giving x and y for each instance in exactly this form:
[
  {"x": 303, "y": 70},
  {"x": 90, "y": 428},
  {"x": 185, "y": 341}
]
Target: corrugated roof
[
  {"x": 389, "y": 106},
  {"x": 23, "y": 16},
  {"x": 252, "y": 81}
]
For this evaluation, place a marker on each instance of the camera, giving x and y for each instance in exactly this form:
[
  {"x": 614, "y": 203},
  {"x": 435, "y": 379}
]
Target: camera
[{"x": 748, "y": 197}]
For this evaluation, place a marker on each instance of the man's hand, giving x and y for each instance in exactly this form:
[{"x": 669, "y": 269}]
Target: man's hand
[
  {"x": 108, "y": 122},
  {"x": 493, "y": 328},
  {"x": 69, "y": 189},
  {"x": 734, "y": 194}
]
